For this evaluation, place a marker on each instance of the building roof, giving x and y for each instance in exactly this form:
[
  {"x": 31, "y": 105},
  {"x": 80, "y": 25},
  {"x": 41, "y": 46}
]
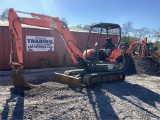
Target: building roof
[
  {"x": 78, "y": 30},
  {"x": 6, "y": 23},
  {"x": 72, "y": 29}
]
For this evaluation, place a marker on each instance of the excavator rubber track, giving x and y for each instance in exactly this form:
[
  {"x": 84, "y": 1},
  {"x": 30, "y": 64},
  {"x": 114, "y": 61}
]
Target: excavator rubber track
[{"x": 76, "y": 78}]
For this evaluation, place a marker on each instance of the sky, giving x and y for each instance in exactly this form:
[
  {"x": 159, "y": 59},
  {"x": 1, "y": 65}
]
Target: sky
[{"x": 143, "y": 13}]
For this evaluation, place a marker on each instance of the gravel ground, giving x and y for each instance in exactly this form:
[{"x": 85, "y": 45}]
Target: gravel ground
[{"x": 138, "y": 97}]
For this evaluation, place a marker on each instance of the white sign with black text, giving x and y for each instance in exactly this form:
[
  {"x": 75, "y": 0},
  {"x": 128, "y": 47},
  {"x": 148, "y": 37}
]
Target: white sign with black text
[{"x": 39, "y": 43}]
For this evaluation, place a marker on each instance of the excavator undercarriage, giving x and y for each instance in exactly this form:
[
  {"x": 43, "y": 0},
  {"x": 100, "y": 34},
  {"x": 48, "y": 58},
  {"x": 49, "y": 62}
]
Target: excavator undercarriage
[{"x": 78, "y": 77}]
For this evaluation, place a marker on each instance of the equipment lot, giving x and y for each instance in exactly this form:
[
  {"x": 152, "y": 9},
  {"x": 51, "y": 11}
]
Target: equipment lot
[{"x": 136, "y": 98}]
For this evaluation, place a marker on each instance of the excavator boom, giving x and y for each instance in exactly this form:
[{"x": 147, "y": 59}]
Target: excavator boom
[{"x": 16, "y": 37}]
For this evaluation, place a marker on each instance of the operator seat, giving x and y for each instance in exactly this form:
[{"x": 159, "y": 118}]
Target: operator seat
[{"x": 108, "y": 47}]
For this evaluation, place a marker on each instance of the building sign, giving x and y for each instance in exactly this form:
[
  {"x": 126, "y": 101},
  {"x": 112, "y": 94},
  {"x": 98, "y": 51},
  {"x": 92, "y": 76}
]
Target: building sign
[{"x": 39, "y": 43}]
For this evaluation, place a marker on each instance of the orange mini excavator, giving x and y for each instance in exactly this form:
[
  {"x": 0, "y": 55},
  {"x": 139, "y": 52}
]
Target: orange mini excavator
[
  {"x": 93, "y": 66},
  {"x": 143, "y": 49}
]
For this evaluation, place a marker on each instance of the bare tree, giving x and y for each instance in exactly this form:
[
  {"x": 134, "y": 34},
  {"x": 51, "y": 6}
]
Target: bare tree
[
  {"x": 156, "y": 34},
  {"x": 141, "y": 33},
  {"x": 86, "y": 27},
  {"x": 135, "y": 33},
  {"x": 114, "y": 31},
  {"x": 79, "y": 26},
  {"x": 127, "y": 27},
  {"x": 4, "y": 14}
]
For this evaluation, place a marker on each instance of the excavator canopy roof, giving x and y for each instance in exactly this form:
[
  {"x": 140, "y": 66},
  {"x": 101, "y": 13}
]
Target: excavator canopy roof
[{"x": 106, "y": 25}]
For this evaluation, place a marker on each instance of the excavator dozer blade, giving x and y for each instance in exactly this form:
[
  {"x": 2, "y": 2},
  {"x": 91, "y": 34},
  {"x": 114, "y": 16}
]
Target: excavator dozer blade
[
  {"x": 155, "y": 55},
  {"x": 69, "y": 80}
]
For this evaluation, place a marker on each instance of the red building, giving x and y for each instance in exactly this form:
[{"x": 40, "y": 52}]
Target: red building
[{"x": 58, "y": 57}]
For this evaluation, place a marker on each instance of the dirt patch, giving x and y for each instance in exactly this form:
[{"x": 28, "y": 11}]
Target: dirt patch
[
  {"x": 141, "y": 65},
  {"x": 147, "y": 65}
]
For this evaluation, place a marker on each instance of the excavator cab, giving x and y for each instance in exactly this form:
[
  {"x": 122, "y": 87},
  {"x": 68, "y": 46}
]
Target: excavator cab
[
  {"x": 150, "y": 50},
  {"x": 104, "y": 52},
  {"x": 149, "y": 47}
]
